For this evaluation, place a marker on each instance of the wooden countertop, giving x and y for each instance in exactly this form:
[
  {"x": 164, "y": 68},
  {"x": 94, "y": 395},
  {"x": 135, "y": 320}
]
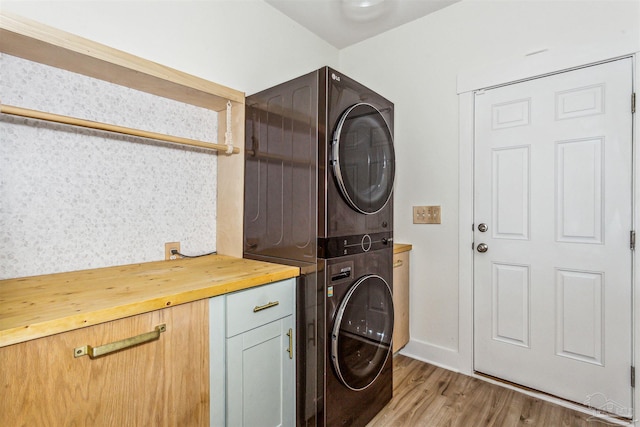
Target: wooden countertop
[
  {"x": 38, "y": 306},
  {"x": 401, "y": 247}
]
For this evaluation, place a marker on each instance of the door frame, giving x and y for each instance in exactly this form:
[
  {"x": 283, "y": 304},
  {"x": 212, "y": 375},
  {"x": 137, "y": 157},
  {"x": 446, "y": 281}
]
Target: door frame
[{"x": 536, "y": 64}]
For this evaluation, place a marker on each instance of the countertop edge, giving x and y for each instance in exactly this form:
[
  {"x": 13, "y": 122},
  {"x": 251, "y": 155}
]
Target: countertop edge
[
  {"x": 401, "y": 247},
  {"x": 65, "y": 323}
]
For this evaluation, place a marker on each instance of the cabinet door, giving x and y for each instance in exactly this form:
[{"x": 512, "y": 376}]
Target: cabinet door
[
  {"x": 164, "y": 382},
  {"x": 400, "y": 300},
  {"x": 261, "y": 376}
]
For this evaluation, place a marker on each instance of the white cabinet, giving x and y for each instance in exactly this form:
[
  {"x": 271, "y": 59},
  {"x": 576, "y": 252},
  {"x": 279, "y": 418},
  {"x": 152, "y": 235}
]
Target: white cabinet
[
  {"x": 253, "y": 357},
  {"x": 260, "y": 387}
]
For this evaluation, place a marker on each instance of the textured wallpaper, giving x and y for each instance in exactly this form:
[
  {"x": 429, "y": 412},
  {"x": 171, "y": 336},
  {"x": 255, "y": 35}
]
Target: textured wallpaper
[{"x": 72, "y": 198}]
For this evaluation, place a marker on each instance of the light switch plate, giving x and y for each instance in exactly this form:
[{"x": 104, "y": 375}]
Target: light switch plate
[{"x": 426, "y": 215}]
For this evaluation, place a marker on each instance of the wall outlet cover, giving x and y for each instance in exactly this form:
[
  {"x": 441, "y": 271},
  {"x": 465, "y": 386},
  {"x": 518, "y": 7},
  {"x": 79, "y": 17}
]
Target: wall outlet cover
[{"x": 167, "y": 250}]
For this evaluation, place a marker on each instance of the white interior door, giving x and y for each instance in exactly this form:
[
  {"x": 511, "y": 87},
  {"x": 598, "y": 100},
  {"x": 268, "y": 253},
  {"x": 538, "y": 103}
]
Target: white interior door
[{"x": 552, "y": 291}]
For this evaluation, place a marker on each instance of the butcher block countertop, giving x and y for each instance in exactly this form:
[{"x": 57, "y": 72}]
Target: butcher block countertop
[{"x": 38, "y": 306}]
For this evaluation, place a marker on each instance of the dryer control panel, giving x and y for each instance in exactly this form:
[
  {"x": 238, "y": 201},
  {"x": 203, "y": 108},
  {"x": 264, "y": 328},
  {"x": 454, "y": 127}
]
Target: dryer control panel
[{"x": 333, "y": 247}]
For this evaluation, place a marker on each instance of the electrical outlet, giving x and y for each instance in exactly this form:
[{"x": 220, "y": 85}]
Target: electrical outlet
[
  {"x": 426, "y": 214},
  {"x": 168, "y": 247}
]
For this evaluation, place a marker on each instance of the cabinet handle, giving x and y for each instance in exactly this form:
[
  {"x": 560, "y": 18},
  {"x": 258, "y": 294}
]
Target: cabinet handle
[
  {"x": 105, "y": 349},
  {"x": 258, "y": 308},
  {"x": 398, "y": 263},
  {"x": 290, "y": 349}
]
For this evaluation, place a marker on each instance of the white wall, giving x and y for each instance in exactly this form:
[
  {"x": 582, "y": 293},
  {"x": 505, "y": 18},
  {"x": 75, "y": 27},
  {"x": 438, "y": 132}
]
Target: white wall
[
  {"x": 74, "y": 198},
  {"x": 416, "y": 66},
  {"x": 244, "y": 44}
]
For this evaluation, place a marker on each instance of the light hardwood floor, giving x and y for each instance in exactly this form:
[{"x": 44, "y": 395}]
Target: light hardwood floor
[{"x": 426, "y": 395}]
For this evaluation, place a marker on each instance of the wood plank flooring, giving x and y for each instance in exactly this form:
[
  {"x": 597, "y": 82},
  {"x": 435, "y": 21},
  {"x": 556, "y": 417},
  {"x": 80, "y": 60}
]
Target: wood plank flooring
[{"x": 426, "y": 395}]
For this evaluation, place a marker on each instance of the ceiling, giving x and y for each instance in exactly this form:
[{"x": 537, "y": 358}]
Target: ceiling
[{"x": 345, "y": 22}]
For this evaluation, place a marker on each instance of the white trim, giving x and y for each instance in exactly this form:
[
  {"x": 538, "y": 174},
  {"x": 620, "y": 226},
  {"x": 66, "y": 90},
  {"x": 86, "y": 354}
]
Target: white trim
[
  {"x": 443, "y": 357},
  {"x": 541, "y": 62},
  {"x": 465, "y": 232},
  {"x": 511, "y": 71}
]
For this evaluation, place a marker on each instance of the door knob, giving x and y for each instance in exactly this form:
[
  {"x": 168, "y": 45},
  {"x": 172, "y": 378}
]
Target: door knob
[
  {"x": 482, "y": 227},
  {"x": 482, "y": 247}
]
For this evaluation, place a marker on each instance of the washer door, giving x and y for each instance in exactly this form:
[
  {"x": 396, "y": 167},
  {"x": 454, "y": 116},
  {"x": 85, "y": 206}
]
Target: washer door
[
  {"x": 363, "y": 158},
  {"x": 361, "y": 337}
]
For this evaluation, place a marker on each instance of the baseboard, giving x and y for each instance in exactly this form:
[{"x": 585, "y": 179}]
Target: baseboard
[{"x": 433, "y": 354}]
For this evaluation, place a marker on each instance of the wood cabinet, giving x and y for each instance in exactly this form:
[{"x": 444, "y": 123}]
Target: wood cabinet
[
  {"x": 256, "y": 357},
  {"x": 401, "y": 296},
  {"x": 163, "y": 382}
]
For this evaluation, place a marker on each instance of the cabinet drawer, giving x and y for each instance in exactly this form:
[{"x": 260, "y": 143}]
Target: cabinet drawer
[
  {"x": 257, "y": 306},
  {"x": 152, "y": 384}
]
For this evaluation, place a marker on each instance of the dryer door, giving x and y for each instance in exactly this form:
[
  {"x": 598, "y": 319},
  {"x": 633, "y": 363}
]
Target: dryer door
[
  {"x": 363, "y": 158},
  {"x": 361, "y": 337}
]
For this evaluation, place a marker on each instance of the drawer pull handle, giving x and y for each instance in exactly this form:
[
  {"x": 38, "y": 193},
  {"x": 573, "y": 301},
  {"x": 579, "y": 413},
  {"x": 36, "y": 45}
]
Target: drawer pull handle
[
  {"x": 397, "y": 264},
  {"x": 105, "y": 349},
  {"x": 290, "y": 349},
  {"x": 258, "y": 308}
]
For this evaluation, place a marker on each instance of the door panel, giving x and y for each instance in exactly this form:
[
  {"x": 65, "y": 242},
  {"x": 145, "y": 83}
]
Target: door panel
[
  {"x": 510, "y": 288},
  {"x": 579, "y": 332},
  {"x": 511, "y": 210},
  {"x": 579, "y": 201},
  {"x": 552, "y": 293}
]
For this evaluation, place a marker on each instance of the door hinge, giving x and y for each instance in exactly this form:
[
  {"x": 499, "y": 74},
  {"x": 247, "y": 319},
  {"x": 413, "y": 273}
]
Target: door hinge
[
  {"x": 632, "y": 240},
  {"x": 633, "y": 103},
  {"x": 633, "y": 376},
  {"x": 473, "y": 245}
]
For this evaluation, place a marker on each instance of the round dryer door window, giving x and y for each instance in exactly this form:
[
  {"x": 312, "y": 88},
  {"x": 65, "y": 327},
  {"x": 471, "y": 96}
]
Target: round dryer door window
[
  {"x": 363, "y": 158},
  {"x": 361, "y": 336}
]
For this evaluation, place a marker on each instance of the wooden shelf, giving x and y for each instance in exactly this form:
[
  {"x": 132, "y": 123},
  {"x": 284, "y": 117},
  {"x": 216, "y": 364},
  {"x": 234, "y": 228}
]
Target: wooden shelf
[{"x": 40, "y": 43}]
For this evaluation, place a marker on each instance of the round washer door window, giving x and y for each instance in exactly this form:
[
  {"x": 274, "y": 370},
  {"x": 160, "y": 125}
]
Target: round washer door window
[
  {"x": 363, "y": 158},
  {"x": 361, "y": 336}
]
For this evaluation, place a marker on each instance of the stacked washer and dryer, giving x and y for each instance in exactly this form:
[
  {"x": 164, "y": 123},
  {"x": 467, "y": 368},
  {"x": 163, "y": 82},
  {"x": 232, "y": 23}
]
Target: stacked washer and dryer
[{"x": 319, "y": 175}]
